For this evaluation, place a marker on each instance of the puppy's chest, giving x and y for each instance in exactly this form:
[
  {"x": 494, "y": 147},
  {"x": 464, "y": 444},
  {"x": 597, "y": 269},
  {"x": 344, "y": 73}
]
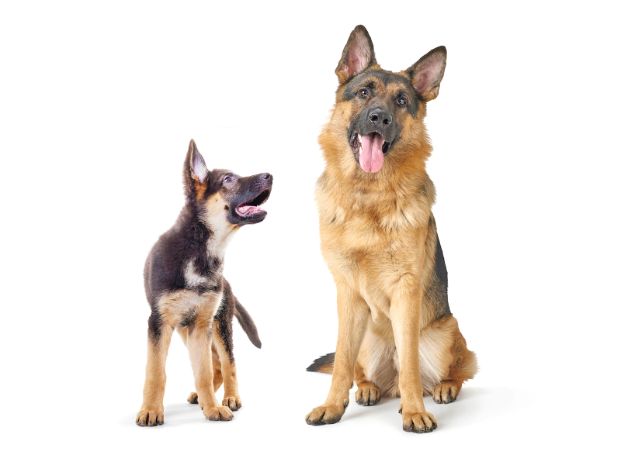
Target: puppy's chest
[
  {"x": 200, "y": 298},
  {"x": 203, "y": 276},
  {"x": 187, "y": 308}
]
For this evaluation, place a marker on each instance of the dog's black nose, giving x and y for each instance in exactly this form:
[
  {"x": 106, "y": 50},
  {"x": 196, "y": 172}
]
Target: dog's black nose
[
  {"x": 380, "y": 117},
  {"x": 265, "y": 177}
]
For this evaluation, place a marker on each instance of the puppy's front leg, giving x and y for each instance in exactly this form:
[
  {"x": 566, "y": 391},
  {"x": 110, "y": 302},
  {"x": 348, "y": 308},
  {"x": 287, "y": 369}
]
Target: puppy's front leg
[
  {"x": 152, "y": 411},
  {"x": 353, "y": 315},
  {"x": 199, "y": 345},
  {"x": 405, "y": 314}
]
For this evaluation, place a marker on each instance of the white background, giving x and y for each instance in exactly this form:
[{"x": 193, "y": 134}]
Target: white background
[{"x": 97, "y": 104}]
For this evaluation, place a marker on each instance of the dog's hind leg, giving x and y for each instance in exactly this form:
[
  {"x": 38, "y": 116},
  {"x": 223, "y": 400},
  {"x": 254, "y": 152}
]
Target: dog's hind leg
[
  {"x": 231, "y": 397},
  {"x": 152, "y": 411},
  {"x": 445, "y": 359}
]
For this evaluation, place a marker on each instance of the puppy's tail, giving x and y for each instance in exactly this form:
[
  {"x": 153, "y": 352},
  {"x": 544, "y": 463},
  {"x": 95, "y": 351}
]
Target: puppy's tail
[
  {"x": 323, "y": 364},
  {"x": 245, "y": 321}
]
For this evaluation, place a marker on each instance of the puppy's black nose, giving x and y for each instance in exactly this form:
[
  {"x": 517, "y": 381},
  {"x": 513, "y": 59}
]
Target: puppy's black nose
[
  {"x": 265, "y": 177},
  {"x": 380, "y": 117}
]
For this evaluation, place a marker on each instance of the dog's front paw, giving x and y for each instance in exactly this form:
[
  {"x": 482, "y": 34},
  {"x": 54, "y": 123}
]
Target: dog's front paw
[
  {"x": 150, "y": 416},
  {"x": 325, "y": 415},
  {"x": 232, "y": 402},
  {"x": 418, "y": 422},
  {"x": 218, "y": 413},
  {"x": 368, "y": 394}
]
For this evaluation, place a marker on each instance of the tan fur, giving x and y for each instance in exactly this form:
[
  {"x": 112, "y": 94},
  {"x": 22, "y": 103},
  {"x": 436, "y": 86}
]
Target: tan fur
[
  {"x": 199, "y": 343},
  {"x": 224, "y": 373},
  {"x": 174, "y": 307},
  {"x": 152, "y": 411},
  {"x": 378, "y": 238},
  {"x": 200, "y": 188},
  {"x": 229, "y": 375},
  {"x": 216, "y": 220},
  {"x": 217, "y": 373}
]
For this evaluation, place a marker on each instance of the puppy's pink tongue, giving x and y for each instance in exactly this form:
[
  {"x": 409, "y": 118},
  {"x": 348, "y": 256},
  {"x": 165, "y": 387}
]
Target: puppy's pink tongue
[
  {"x": 247, "y": 210},
  {"x": 371, "y": 155}
]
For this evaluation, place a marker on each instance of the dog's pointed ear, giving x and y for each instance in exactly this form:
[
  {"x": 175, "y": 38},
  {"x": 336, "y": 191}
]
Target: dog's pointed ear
[
  {"x": 427, "y": 73},
  {"x": 357, "y": 56},
  {"x": 198, "y": 166},
  {"x": 195, "y": 170}
]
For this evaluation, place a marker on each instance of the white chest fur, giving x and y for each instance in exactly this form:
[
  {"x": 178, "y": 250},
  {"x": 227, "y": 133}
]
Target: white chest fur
[
  {"x": 192, "y": 277},
  {"x": 216, "y": 219}
]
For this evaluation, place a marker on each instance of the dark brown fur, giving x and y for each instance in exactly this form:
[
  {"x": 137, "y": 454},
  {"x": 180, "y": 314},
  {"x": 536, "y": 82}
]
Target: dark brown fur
[{"x": 187, "y": 292}]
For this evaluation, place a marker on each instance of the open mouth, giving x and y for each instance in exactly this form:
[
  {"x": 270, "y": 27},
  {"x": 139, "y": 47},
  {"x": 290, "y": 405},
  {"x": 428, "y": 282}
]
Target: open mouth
[
  {"x": 251, "y": 208},
  {"x": 369, "y": 149}
]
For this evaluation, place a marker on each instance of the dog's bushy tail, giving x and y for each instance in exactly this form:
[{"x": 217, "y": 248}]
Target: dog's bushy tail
[
  {"x": 323, "y": 364},
  {"x": 245, "y": 321}
]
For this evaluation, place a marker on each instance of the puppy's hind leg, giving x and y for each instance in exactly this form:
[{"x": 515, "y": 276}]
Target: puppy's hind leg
[
  {"x": 222, "y": 345},
  {"x": 152, "y": 411}
]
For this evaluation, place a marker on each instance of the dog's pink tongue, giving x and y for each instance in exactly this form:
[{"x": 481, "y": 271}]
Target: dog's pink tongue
[
  {"x": 371, "y": 155},
  {"x": 247, "y": 210}
]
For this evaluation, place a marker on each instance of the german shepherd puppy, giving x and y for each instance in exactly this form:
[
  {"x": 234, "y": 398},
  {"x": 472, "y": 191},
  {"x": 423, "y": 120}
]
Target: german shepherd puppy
[
  {"x": 396, "y": 334},
  {"x": 187, "y": 292}
]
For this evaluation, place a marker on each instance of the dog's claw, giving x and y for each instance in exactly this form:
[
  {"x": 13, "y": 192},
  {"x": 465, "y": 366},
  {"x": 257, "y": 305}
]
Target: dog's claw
[
  {"x": 368, "y": 394},
  {"x": 218, "y": 413},
  {"x": 446, "y": 392},
  {"x": 325, "y": 415},
  {"x": 232, "y": 402},
  {"x": 419, "y": 422},
  {"x": 150, "y": 416}
]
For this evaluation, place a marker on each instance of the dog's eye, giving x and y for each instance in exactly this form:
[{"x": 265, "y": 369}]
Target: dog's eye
[
  {"x": 227, "y": 180},
  {"x": 401, "y": 100},
  {"x": 363, "y": 93}
]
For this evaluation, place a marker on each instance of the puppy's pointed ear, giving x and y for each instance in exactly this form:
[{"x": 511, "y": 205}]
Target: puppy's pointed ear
[
  {"x": 195, "y": 171},
  {"x": 427, "y": 73},
  {"x": 357, "y": 56}
]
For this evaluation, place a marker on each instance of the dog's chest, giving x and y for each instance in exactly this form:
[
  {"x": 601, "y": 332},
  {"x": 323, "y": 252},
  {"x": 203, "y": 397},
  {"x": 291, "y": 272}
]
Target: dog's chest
[
  {"x": 186, "y": 308},
  {"x": 373, "y": 248},
  {"x": 202, "y": 280},
  {"x": 382, "y": 232},
  {"x": 362, "y": 248}
]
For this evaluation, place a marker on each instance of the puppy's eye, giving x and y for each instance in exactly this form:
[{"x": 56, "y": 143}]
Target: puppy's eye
[
  {"x": 228, "y": 180},
  {"x": 401, "y": 100},
  {"x": 363, "y": 93}
]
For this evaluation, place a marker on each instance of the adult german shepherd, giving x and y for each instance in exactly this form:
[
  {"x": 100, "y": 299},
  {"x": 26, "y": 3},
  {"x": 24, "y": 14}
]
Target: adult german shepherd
[{"x": 396, "y": 335}]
